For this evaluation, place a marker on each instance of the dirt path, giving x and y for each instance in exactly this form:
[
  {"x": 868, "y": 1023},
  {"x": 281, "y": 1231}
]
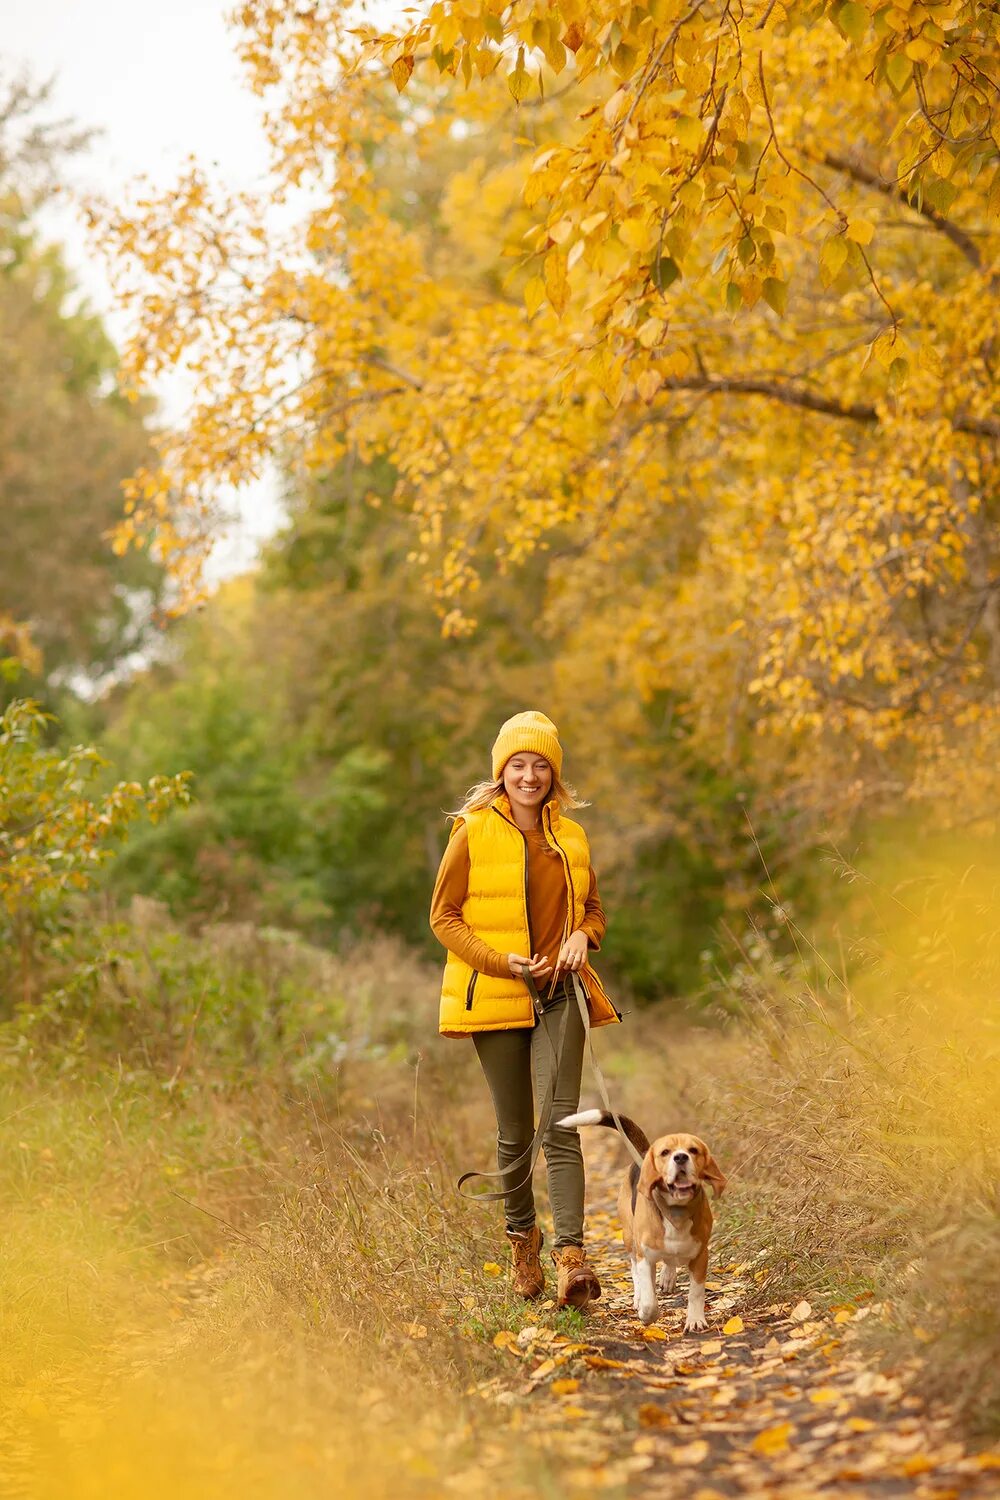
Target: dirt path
[{"x": 780, "y": 1402}]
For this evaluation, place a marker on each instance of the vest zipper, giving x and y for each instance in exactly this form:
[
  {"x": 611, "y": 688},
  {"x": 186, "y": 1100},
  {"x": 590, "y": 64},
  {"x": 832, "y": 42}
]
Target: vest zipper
[
  {"x": 571, "y": 897},
  {"x": 570, "y": 893},
  {"x": 471, "y": 989}
]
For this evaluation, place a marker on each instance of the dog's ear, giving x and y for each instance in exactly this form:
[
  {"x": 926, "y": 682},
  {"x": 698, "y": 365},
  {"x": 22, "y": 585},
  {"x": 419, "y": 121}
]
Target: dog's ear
[
  {"x": 649, "y": 1177},
  {"x": 712, "y": 1174}
]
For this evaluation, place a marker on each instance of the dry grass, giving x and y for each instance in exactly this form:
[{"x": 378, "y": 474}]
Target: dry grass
[
  {"x": 233, "y": 1259},
  {"x": 860, "y": 1125}
]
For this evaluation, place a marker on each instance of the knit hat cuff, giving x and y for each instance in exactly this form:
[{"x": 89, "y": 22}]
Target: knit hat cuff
[{"x": 529, "y": 732}]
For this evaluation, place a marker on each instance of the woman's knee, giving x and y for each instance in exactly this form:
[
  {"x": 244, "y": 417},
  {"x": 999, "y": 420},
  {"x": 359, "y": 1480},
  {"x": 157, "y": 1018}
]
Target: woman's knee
[{"x": 562, "y": 1144}]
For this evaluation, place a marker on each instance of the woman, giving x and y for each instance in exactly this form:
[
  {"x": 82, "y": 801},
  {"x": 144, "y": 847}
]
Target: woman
[{"x": 516, "y": 900}]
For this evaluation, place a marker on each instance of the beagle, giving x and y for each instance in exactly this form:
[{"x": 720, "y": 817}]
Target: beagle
[{"x": 664, "y": 1213}]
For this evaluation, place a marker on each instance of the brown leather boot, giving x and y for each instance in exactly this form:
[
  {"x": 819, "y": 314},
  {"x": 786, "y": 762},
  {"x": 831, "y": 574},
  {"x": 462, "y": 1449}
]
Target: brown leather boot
[
  {"x": 578, "y": 1283},
  {"x": 529, "y": 1278}
]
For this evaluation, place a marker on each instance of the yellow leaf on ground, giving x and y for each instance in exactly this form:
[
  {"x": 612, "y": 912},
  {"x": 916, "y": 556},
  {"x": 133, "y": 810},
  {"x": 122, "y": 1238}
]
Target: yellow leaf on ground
[
  {"x": 918, "y": 1464},
  {"x": 545, "y": 1368},
  {"x": 690, "y": 1453},
  {"x": 504, "y": 1340},
  {"x": 653, "y": 1335},
  {"x": 710, "y": 1346},
  {"x": 491, "y": 1268},
  {"x": 859, "y": 1424},
  {"x": 598, "y": 1362},
  {"x": 772, "y": 1439},
  {"x": 651, "y": 1415},
  {"x": 735, "y": 1325},
  {"x": 844, "y": 1316},
  {"x": 823, "y": 1395},
  {"x": 801, "y": 1312},
  {"x": 564, "y": 1387},
  {"x": 572, "y": 1412}
]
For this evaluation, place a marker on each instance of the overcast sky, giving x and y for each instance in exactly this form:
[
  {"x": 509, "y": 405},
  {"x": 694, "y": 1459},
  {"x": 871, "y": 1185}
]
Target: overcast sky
[{"x": 159, "y": 79}]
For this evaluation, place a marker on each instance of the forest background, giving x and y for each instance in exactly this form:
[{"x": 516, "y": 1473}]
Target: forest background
[{"x": 632, "y": 362}]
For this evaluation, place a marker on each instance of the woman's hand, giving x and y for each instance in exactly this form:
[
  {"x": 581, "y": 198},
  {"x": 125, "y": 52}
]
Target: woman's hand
[
  {"x": 537, "y": 966},
  {"x": 573, "y": 953}
]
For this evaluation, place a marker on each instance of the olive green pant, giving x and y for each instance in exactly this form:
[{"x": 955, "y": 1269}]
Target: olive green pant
[{"x": 513, "y": 1062}]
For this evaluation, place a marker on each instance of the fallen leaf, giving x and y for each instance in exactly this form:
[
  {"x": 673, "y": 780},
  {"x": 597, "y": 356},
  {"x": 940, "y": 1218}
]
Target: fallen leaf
[
  {"x": 598, "y": 1362},
  {"x": 843, "y": 1316},
  {"x": 802, "y": 1311},
  {"x": 772, "y": 1439},
  {"x": 690, "y": 1453},
  {"x": 564, "y": 1387},
  {"x": 735, "y": 1325},
  {"x": 545, "y": 1368},
  {"x": 651, "y": 1415},
  {"x": 859, "y": 1424},
  {"x": 504, "y": 1339},
  {"x": 572, "y": 1412},
  {"x": 710, "y": 1346},
  {"x": 491, "y": 1268},
  {"x": 823, "y": 1395},
  {"x": 416, "y": 1330},
  {"x": 918, "y": 1464},
  {"x": 653, "y": 1335}
]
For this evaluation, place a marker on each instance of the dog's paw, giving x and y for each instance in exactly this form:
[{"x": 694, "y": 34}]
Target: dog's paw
[
  {"x": 695, "y": 1323},
  {"x": 666, "y": 1279},
  {"x": 648, "y": 1313}
]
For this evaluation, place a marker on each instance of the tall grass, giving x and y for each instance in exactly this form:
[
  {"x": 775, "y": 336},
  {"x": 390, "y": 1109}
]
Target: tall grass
[
  {"x": 857, "y": 1109},
  {"x": 231, "y": 1257}
]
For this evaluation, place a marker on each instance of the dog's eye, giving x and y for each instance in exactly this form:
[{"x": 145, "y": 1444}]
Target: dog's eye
[{"x": 694, "y": 1150}]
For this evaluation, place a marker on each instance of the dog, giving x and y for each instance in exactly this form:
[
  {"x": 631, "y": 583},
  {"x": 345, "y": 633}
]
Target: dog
[{"x": 664, "y": 1214}]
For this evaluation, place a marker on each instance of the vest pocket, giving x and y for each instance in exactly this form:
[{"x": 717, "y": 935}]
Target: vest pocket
[{"x": 471, "y": 989}]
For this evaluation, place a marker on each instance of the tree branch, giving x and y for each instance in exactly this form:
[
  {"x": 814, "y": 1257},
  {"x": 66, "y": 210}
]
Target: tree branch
[
  {"x": 864, "y": 174},
  {"x": 797, "y": 395}
]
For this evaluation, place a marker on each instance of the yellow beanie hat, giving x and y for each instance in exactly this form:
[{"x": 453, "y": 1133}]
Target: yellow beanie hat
[{"x": 530, "y": 731}]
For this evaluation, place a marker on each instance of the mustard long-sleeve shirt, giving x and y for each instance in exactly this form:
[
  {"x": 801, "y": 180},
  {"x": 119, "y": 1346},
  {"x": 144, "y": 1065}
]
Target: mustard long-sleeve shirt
[{"x": 546, "y": 904}]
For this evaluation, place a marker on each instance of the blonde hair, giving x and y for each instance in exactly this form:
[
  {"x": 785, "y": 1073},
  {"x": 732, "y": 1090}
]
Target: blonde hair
[{"x": 483, "y": 793}]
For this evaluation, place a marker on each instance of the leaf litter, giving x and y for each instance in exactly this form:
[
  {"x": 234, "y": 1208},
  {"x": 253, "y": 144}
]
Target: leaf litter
[{"x": 781, "y": 1401}]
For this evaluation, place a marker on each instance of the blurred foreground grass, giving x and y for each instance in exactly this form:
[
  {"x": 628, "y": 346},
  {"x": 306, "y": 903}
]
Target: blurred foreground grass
[{"x": 233, "y": 1260}]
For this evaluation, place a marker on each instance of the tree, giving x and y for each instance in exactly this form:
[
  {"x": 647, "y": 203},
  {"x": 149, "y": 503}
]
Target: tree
[
  {"x": 68, "y": 436},
  {"x": 54, "y": 837},
  {"x": 742, "y": 356}
]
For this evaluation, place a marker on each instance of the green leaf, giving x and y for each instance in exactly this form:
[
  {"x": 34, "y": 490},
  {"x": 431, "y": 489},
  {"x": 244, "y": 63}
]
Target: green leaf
[
  {"x": 775, "y": 294},
  {"x": 734, "y": 299},
  {"x": 853, "y": 20},
  {"x": 664, "y": 272}
]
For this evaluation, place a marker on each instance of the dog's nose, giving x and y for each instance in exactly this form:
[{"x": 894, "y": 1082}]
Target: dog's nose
[{"x": 680, "y": 1156}]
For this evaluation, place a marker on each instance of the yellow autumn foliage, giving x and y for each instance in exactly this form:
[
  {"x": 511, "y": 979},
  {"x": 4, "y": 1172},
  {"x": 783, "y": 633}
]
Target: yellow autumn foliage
[{"x": 699, "y": 302}]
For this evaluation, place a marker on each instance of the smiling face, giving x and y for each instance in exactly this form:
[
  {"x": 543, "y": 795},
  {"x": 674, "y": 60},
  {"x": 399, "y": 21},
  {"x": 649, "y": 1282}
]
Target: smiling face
[
  {"x": 679, "y": 1165},
  {"x": 527, "y": 780}
]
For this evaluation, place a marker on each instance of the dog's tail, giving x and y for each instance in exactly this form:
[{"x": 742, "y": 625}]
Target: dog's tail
[{"x": 604, "y": 1117}]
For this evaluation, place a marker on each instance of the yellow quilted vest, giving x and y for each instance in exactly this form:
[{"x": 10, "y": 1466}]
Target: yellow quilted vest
[{"x": 496, "y": 909}]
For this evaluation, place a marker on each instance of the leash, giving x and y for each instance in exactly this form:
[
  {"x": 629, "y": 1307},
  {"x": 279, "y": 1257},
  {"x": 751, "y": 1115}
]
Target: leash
[{"x": 545, "y": 1113}]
